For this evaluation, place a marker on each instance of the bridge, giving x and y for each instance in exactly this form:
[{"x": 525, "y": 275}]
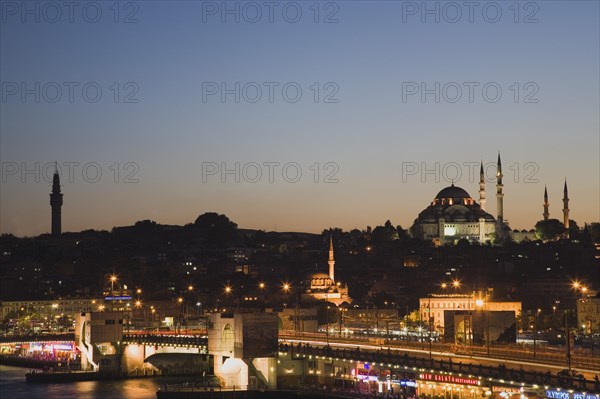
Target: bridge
[{"x": 506, "y": 366}]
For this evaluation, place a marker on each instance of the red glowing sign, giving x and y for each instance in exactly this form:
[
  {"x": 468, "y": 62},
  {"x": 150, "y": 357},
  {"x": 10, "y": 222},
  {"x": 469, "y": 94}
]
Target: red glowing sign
[{"x": 449, "y": 379}]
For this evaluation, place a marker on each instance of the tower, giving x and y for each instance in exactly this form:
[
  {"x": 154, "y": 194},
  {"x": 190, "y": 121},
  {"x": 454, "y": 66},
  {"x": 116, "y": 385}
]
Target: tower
[
  {"x": 499, "y": 193},
  {"x": 566, "y": 208},
  {"x": 56, "y": 201},
  {"x": 331, "y": 260},
  {"x": 481, "y": 187},
  {"x": 546, "y": 204}
]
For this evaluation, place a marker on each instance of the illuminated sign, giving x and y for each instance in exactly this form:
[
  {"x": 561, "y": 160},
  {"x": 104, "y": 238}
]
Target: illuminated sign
[
  {"x": 450, "y": 379},
  {"x": 507, "y": 390},
  {"x": 567, "y": 395},
  {"x": 558, "y": 395},
  {"x": 117, "y": 298},
  {"x": 405, "y": 383},
  {"x": 63, "y": 347}
]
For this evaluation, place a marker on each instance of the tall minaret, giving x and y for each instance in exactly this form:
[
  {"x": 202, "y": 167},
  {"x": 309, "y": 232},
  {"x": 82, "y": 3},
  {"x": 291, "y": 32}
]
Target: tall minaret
[
  {"x": 481, "y": 187},
  {"x": 499, "y": 193},
  {"x": 566, "y": 208},
  {"x": 331, "y": 261},
  {"x": 56, "y": 201},
  {"x": 546, "y": 204}
]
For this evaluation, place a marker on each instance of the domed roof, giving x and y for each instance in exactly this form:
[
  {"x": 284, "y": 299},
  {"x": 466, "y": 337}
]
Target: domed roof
[{"x": 452, "y": 192}]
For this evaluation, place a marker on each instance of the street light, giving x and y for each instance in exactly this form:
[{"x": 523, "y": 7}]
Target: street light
[
  {"x": 180, "y": 301},
  {"x": 480, "y": 303},
  {"x": 535, "y": 322},
  {"x": 112, "y": 279}
]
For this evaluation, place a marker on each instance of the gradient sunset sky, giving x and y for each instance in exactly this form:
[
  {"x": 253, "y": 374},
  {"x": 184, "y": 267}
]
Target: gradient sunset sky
[{"x": 365, "y": 58}]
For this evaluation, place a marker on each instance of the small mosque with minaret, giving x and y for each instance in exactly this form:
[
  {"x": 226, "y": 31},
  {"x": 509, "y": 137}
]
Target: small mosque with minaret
[
  {"x": 324, "y": 287},
  {"x": 454, "y": 214}
]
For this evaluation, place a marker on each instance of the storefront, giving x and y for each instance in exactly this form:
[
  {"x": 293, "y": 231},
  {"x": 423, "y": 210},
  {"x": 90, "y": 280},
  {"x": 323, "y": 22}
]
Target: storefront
[
  {"x": 370, "y": 378},
  {"x": 450, "y": 386}
]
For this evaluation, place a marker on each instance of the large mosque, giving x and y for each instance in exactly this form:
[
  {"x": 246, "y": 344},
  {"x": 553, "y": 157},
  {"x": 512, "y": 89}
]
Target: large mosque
[{"x": 454, "y": 214}]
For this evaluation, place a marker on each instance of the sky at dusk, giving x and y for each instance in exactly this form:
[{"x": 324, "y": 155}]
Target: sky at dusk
[{"x": 298, "y": 116}]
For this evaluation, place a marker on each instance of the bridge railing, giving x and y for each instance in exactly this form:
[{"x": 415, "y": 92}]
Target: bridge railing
[
  {"x": 161, "y": 339},
  {"x": 585, "y": 359}
]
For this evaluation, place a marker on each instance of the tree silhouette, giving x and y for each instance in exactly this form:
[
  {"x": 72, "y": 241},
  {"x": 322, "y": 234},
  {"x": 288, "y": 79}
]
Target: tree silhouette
[
  {"x": 216, "y": 229},
  {"x": 549, "y": 229}
]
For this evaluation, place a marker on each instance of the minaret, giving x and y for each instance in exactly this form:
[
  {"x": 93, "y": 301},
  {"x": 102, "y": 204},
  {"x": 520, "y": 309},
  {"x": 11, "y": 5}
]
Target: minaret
[
  {"x": 56, "y": 201},
  {"x": 499, "y": 193},
  {"x": 481, "y": 187},
  {"x": 566, "y": 208},
  {"x": 331, "y": 261},
  {"x": 546, "y": 204}
]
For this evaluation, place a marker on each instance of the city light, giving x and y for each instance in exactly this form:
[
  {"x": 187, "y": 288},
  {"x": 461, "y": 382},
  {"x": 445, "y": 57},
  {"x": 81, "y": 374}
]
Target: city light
[
  {"x": 286, "y": 287},
  {"x": 228, "y": 289},
  {"x": 261, "y": 285}
]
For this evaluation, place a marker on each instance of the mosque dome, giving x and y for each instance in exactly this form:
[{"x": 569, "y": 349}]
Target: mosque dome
[{"x": 452, "y": 192}]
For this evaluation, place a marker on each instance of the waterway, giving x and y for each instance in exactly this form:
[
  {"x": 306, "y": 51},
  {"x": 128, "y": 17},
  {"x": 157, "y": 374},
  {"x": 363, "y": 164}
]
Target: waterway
[{"x": 13, "y": 386}]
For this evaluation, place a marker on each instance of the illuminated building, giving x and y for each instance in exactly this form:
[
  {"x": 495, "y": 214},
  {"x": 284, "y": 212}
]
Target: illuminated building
[
  {"x": 439, "y": 309},
  {"x": 588, "y": 313},
  {"x": 324, "y": 287},
  {"x": 453, "y": 215}
]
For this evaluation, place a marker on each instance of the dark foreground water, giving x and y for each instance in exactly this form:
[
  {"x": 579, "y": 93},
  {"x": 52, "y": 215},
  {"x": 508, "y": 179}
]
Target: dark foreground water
[{"x": 13, "y": 386}]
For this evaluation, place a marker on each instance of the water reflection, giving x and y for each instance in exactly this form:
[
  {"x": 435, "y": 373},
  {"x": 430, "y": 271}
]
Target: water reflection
[{"x": 13, "y": 386}]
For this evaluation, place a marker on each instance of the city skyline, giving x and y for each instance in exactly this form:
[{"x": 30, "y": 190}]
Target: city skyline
[
  {"x": 545, "y": 203},
  {"x": 385, "y": 86}
]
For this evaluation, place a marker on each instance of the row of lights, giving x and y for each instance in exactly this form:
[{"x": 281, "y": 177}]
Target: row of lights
[{"x": 522, "y": 384}]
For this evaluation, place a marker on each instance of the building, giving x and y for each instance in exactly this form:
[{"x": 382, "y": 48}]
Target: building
[
  {"x": 98, "y": 336},
  {"x": 244, "y": 348},
  {"x": 299, "y": 319},
  {"x": 588, "y": 314},
  {"x": 324, "y": 287},
  {"x": 433, "y": 310},
  {"x": 454, "y": 215},
  {"x": 56, "y": 201},
  {"x": 49, "y": 308}
]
